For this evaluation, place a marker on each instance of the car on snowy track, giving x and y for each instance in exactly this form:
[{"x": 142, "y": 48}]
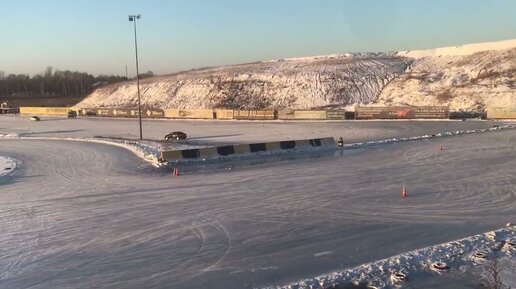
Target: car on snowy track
[
  {"x": 177, "y": 135},
  {"x": 35, "y": 118}
]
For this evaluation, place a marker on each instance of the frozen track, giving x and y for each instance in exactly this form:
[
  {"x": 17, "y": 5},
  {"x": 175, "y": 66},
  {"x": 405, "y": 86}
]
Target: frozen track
[
  {"x": 83, "y": 215},
  {"x": 230, "y": 131}
]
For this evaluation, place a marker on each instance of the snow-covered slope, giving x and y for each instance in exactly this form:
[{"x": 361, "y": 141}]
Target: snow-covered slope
[
  {"x": 468, "y": 77},
  {"x": 462, "y": 77},
  {"x": 294, "y": 83}
]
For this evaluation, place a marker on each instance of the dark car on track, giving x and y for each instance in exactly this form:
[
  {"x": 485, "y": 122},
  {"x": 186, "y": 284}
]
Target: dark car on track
[
  {"x": 72, "y": 114},
  {"x": 177, "y": 135},
  {"x": 35, "y": 118}
]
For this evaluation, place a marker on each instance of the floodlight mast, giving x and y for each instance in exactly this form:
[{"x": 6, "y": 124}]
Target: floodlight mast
[{"x": 133, "y": 18}]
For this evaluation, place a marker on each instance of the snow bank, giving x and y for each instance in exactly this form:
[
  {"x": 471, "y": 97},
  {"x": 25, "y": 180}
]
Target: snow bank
[
  {"x": 7, "y": 166},
  {"x": 460, "y": 255},
  {"x": 9, "y": 135}
]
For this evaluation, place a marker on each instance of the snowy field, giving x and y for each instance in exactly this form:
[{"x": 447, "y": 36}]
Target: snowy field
[{"x": 90, "y": 215}]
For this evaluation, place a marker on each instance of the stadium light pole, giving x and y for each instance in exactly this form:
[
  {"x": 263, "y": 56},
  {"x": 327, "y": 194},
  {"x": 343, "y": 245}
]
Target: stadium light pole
[{"x": 133, "y": 19}]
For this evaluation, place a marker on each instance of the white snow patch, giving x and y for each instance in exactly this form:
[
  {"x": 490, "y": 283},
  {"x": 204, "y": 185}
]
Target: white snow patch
[
  {"x": 9, "y": 135},
  {"x": 7, "y": 166},
  {"x": 457, "y": 255},
  {"x": 322, "y": 254}
]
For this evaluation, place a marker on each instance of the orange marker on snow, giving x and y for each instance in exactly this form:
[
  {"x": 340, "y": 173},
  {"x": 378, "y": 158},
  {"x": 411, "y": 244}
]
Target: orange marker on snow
[
  {"x": 403, "y": 192},
  {"x": 441, "y": 148},
  {"x": 175, "y": 172}
]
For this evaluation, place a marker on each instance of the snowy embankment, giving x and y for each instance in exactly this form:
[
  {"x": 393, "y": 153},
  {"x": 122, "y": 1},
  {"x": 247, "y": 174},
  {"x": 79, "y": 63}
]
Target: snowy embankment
[
  {"x": 7, "y": 166},
  {"x": 460, "y": 255}
]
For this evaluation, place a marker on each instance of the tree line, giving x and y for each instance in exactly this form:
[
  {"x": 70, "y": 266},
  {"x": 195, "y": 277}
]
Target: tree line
[{"x": 55, "y": 83}]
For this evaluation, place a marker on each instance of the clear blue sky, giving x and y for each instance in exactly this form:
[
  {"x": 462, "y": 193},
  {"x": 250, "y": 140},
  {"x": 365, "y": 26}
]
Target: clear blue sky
[{"x": 95, "y": 36}]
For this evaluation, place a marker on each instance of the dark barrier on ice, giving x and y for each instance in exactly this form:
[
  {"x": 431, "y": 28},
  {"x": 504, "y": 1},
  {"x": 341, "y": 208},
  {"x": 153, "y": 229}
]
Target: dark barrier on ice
[
  {"x": 225, "y": 150},
  {"x": 315, "y": 142},
  {"x": 349, "y": 115},
  {"x": 257, "y": 147},
  {"x": 190, "y": 154},
  {"x": 286, "y": 145},
  {"x": 245, "y": 149}
]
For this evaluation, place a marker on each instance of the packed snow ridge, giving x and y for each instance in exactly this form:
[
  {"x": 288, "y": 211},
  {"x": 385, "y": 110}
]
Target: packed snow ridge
[
  {"x": 459, "y": 255},
  {"x": 469, "y": 77},
  {"x": 7, "y": 166}
]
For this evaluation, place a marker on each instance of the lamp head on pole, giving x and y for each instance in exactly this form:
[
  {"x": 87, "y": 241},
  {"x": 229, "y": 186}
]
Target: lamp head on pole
[{"x": 134, "y": 17}]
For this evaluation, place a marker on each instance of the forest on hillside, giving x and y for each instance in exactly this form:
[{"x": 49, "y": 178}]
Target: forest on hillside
[{"x": 61, "y": 83}]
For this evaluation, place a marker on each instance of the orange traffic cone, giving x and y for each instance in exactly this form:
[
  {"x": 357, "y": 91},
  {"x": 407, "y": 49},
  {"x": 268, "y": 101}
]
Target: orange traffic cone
[
  {"x": 441, "y": 148},
  {"x": 403, "y": 192},
  {"x": 176, "y": 172}
]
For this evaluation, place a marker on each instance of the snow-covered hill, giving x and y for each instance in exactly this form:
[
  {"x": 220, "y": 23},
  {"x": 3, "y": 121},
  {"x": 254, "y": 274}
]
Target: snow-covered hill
[
  {"x": 468, "y": 77},
  {"x": 293, "y": 83}
]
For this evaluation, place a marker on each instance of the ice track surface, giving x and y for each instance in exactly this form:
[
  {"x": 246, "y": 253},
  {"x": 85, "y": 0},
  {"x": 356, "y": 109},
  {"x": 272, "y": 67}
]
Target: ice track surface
[{"x": 86, "y": 215}]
